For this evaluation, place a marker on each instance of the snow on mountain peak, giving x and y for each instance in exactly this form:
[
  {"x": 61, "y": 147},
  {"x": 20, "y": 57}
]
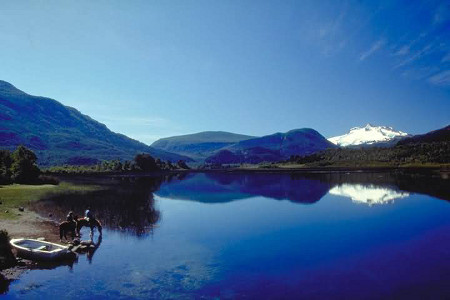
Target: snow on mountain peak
[{"x": 367, "y": 135}]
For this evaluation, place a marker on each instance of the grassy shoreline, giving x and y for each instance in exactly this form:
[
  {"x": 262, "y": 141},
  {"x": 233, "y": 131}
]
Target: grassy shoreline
[{"x": 15, "y": 196}]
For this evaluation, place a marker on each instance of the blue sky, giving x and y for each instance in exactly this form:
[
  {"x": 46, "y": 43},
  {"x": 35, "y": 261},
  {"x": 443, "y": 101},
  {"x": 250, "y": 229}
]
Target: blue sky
[{"x": 151, "y": 69}]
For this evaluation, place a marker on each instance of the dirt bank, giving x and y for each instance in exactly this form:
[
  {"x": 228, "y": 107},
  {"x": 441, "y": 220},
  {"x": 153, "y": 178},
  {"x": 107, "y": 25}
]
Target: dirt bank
[{"x": 31, "y": 225}]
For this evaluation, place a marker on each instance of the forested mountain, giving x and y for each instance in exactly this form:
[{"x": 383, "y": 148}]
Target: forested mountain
[
  {"x": 199, "y": 145},
  {"x": 60, "y": 134},
  {"x": 440, "y": 135},
  {"x": 273, "y": 147}
]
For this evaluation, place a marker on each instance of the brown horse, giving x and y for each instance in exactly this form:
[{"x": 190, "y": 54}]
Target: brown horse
[
  {"x": 65, "y": 227},
  {"x": 92, "y": 223}
]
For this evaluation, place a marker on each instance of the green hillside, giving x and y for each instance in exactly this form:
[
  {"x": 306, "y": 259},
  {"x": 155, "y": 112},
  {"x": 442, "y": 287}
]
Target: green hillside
[
  {"x": 199, "y": 145},
  {"x": 60, "y": 134}
]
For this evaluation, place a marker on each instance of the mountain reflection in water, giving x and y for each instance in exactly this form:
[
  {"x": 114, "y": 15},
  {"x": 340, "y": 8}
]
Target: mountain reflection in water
[
  {"x": 127, "y": 203},
  {"x": 256, "y": 236},
  {"x": 368, "y": 194},
  {"x": 226, "y": 187},
  {"x": 304, "y": 188}
]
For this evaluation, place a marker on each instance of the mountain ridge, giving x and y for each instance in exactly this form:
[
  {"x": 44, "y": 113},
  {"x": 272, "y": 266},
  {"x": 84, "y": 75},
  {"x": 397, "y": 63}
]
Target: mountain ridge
[
  {"x": 438, "y": 135},
  {"x": 60, "y": 134},
  {"x": 273, "y": 147},
  {"x": 199, "y": 145}
]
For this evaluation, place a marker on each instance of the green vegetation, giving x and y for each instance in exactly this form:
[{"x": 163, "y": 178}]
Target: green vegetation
[
  {"x": 18, "y": 166},
  {"x": 141, "y": 163},
  {"x": 410, "y": 155},
  {"x": 60, "y": 134},
  {"x": 146, "y": 163},
  {"x": 200, "y": 145},
  {"x": 14, "y": 196}
]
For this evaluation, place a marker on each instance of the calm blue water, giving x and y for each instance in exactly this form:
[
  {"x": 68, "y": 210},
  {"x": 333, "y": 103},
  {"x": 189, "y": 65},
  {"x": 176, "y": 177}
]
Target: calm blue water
[{"x": 267, "y": 237}]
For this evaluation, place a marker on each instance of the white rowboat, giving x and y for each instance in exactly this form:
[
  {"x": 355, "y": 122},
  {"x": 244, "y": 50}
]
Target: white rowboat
[{"x": 41, "y": 250}]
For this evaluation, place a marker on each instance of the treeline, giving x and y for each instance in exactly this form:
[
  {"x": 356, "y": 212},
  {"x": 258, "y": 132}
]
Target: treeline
[
  {"x": 411, "y": 154},
  {"x": 18, "y": 166},
  {"x": 140, "y": 163}
]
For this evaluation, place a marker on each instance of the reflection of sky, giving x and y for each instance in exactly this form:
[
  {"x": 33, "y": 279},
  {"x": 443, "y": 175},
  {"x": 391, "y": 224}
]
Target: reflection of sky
[{"x": 368, "y": 194}]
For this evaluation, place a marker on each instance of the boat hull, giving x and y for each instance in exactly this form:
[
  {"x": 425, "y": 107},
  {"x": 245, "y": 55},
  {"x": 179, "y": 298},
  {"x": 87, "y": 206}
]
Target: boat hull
[{"x": 41, "y": 251}]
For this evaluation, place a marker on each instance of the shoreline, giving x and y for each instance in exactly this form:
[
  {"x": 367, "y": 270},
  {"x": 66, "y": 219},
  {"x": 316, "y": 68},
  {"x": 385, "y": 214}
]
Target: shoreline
[
  {"x": 21, "y": 220},
  {"x": 331, "y": 169},
  {"x": 30, "y": 225}
]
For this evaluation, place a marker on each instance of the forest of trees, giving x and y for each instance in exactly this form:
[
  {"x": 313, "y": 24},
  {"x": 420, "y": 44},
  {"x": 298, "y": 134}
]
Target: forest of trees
[
  {"x": 18, "y": 166},
  {"x": 410, "y": 154},
  {"x": 141, "y": 163}
]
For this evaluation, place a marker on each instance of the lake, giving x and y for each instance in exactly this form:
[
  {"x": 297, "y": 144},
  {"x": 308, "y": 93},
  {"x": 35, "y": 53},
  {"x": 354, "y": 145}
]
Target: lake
[{"x": 257, "y": 236}]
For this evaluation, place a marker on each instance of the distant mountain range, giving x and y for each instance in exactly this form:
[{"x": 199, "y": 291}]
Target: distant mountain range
[
  {"x": 60, "y": 134},
  {"x": 218, "y": 147},
  {"x": 369, "y": 135},
  {"x": 200, "y": 145},
  {"x": 276, "y": 147},
  {"x": 227, "y": 148},
  {"x": 272, "y": 148}
]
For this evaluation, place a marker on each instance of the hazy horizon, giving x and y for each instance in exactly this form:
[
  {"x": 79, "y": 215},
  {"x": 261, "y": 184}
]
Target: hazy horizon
[{"x": 159, "y": 69}]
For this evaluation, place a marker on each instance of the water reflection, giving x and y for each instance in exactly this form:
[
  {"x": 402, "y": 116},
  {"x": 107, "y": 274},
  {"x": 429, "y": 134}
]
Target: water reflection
[
  {"x": 226, "y": 187},
  {"x": 305, "y": 188},
  {"x": 257, "y": 248},
  {"x": 368, "y": 194},
  {"x": 125, "y": 204},
  {"x": 41, "y": 265},
  {"x": 91, "y": 250}
]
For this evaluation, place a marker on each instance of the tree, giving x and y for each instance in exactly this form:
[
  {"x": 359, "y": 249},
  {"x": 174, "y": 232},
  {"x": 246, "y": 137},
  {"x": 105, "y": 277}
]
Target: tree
[
  {"x": 146, "y": 162},
  {"x": 127, "y": 165},
  {"x": 182, "y": 164},
  {"x": 23, "y": 167},
  {"x": 5, "y": 166}
]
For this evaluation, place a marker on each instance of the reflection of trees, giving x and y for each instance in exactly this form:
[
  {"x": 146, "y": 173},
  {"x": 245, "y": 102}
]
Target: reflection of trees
[{"x": 123, "y": 203}]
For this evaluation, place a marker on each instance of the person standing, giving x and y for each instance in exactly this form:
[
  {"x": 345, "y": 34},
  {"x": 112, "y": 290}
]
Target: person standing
[{"x": 88, "y": 214}]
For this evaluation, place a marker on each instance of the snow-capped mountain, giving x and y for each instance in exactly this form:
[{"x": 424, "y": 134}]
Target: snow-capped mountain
[{"x": 367, "y": 135}]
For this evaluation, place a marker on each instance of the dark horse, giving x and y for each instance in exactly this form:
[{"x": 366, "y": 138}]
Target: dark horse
[
  {"x": 92, "y": 223},
  {"x": 65, "y": 227}
]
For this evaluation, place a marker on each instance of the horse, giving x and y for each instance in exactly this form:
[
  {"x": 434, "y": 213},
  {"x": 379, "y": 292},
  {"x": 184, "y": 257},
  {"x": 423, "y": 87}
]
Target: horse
[
  {"x": 92, "y": 223},
  {"x": 65, "y": 227}
]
